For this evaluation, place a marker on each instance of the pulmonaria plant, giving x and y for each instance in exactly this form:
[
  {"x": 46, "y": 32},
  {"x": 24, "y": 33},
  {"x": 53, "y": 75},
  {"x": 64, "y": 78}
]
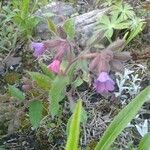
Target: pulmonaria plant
[
  {"x": 101, "y": 62},
  {"x": 106, "y": 61}
]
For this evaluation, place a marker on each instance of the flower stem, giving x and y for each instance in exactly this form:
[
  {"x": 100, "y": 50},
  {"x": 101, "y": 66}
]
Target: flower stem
[{"x": 86, "y": 56}]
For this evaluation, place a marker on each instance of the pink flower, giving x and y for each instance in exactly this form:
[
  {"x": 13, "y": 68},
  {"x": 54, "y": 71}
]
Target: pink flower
[
  {"x": 54, "y": 66},
  {"x": 39, "y": 49},
  {"x": 104, "y": 83}
]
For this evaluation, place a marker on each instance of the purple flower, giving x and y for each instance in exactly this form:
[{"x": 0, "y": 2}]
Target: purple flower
[
  {"x": 39, "y": 49},
  {"x": 104, "y": 83}
]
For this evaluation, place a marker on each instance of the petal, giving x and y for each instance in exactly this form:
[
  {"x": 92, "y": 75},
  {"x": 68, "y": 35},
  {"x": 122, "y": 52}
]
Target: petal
[
  {"x": 111, "y": 81},
  {"x": 109, "y": 86},
  {"x": 37, "y": 45},
  {"x": 103, "y": 77},
  {"x": 38, "y": 53},
  {"x": 54, "y": 66},
  {"x": 100, "y": 88},
  {"x": 39, "y": 49}
]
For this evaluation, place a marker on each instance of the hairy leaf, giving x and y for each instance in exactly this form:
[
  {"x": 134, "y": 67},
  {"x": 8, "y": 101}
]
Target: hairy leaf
[
  {"x": 69, "y": 27},
  {"x": 42, "y": 80},
  {"x": 16, "y": 93},
  {"x": 51, "y": 26},
  {"x": 56, "y": 94},
  {"x": 35, "y": 113},
  {"x": 46, "y": 71}
]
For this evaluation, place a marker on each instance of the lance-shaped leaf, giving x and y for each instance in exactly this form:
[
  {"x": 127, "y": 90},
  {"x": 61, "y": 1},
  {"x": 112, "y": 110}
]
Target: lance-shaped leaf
[
  {"x": 69, "y": 28},
  {"x": 74, "y": 130},
  {"x": 35, "y": 113},
  {"x": 46, "y": 71},
  {"x": 16, "y": 93},
  {"x": 25, "y": 8},
  {"x": 42, "y": 80},
  {"x": 57, "y": 93},
  {"x": 122, "y": 119},
  {"x": 51, "y": 26}
]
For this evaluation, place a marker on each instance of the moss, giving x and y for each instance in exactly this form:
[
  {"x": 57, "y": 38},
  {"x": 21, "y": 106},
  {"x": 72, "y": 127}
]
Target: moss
[{"x": 11, "y": 78}]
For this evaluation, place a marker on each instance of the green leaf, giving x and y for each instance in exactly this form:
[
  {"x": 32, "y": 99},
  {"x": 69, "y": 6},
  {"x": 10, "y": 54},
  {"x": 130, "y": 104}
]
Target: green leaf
[
  {"x": 25, "y": 7},
  {"x": 77, "y": 82},
  {"x": 68, "y": 125},
  {"x": 42, "y": 80},
  {"x": 83, "y": 112},
  {"x": 122, "y": 25},
  {"x": 145, "y": 143},
  {"x": 51, "y": 26},
  {"x": 46, "y": 71},
  {"x": 124, "y": 9},
  {"x": 84, "y": 116},
  {"x": 56, "y": 94},
  {"x": 16, "y": 93},
  {"x": 122, "y": 119},
  {"x": 35, "y": 113},
  {"x": 69, "y": 28},
  {"x": 83, "y": 64},
  {"x": 74, "y": 131},
  {"x": 107, "y": 24},
  {"x": 135, "y": 32}
]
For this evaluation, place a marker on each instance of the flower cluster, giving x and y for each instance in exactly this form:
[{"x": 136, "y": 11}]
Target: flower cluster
[
  {"x": 61, "y": 46},
  {"x": 107, "y": 61},
  {"x": 101, "y": 64}
]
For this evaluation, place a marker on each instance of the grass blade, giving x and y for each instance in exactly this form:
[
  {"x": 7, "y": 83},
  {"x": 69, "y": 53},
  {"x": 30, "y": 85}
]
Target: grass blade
[
  {"x": 122, "y": 119},
  {"x": 74, "y": 131},
  {"x": 145, "y": 143}
]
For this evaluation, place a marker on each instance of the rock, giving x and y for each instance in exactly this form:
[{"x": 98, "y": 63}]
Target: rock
[
  {"x": 12, "y": 61},
  {"x": 84, "y": 23},
  {"x": 58, "y": 11}
]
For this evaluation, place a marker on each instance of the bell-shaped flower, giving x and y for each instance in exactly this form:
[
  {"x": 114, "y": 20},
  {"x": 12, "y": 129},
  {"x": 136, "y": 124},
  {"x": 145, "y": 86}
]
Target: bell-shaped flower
[
  {"x": 39, "y": 48},
  {"x": 54, "y": 66},
  {"x": 104, "y": 84}
]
